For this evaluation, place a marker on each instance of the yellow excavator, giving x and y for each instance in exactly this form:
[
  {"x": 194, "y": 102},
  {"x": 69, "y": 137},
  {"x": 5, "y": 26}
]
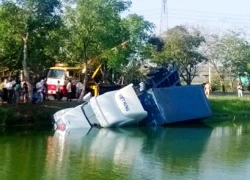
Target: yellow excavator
[
  {"x": 92, "y": 85},
  {"x": 78, "y": 72},
  {"x": 97, "y": 88}
]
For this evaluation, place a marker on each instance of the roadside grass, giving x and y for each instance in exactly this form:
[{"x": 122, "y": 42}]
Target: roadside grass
[{"x": 231, "y": 108}]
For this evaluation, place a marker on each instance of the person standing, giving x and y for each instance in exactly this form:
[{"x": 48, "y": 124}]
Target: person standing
[
  {"x": 5, "y": 91},
  {"x": 17, "y": 90},
  {"x": 1, "y": 91},
  {"x": 9, "y": 87},
  {"x": 69, "y": 91},
  {"x": 39, "y": 89},
  {"x": 240, "y": 90},
  {"x": 79, "y": 87},
  {"x": 58, "y": 91},
  {"x": 207, "y": 89},
  {"x": 45, "y": 89},
  {"x": 25, "y": 92}
]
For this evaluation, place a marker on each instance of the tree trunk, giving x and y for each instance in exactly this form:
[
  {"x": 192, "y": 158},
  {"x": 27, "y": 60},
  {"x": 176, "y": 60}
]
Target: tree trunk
[
  {"x": 25, "y": 66},
  {"x": 223, "y": 88},
  {"x": 231, "y": 86},
  {"x": 113, "y": 75},
  {"x": 104, "y": 74},
  {"x": 80, "y": 99},
  {"x": 25, "y": 57}
]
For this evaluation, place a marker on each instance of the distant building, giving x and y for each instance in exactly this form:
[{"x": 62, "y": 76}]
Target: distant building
[{"x": 202, "y": 74}]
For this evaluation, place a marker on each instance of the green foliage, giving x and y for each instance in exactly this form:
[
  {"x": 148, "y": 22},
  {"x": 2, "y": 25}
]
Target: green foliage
[
  {"x": 96, "y": 31},
  {"x": 136, "y": 33},
  {"x": 139, "y": 33},
  {"x": 37, "y": 18},
  {"x": 229, "y": 54},
  {"x": 181, "y": 45},
  {"x": 234, "y": 52},
  {"x": 216, "y": 83},
  {"x": 133, "y": 74},
  {"x": 93, "y": 27},
  {"x": 11, "y": 42}
]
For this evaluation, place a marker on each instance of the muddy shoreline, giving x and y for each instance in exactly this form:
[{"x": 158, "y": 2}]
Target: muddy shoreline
[{"x": 31, "y": 115}]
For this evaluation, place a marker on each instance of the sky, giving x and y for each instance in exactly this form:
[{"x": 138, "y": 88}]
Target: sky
[{"x": 213, "y": 15}]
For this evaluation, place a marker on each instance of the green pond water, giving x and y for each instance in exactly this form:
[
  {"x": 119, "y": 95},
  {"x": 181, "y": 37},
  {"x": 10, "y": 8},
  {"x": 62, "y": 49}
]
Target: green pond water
[{"x": 215, "y": 151}]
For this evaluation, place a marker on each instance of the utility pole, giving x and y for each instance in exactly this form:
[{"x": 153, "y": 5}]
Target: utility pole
[
  {"x": 209, "y": 71},
  {"x": 164, "y": 16}
]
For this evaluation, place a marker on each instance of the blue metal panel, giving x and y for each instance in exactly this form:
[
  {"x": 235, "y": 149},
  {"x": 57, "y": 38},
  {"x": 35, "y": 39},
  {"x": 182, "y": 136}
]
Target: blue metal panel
[{"x": 174, "y": 104}]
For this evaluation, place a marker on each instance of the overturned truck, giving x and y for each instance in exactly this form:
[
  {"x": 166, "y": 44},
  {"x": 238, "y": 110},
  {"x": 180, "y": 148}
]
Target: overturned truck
[{"x": 160, "y": 100}]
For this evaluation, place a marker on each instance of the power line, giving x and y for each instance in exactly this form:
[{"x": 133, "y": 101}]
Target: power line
[
  {"x": 208, "y": 12},
  {"x": 229, "y": 19},
  {"x": 193, "y": 11},
  {"x": 200, "y": 16},
  {"x": 242, "y": 18},
  {"x": 247, "y": 24},
  {"x": 245, "y": 20}
]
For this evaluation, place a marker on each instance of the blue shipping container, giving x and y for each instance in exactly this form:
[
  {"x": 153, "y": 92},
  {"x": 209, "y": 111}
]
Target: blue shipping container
[{"x": 174, "y": 104}]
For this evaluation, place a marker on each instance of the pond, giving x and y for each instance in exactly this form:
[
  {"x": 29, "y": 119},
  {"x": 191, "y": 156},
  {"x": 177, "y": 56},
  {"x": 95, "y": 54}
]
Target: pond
[{"x": 215, "y": 151}]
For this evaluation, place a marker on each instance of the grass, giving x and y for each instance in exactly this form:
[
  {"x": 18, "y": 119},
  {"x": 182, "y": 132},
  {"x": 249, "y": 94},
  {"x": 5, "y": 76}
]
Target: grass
[{"x": 229, "y": 107}]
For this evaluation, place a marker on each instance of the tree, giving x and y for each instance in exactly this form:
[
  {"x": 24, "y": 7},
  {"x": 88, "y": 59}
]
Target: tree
[
  {"x": 181, "y": 44},
  {"x": 128, "y": 56},
  {"x": 10, "y": 37},
  {"x": 32, "y": 24},
  {"x": 228, "y": 54},
  {"x": 156, "y": 50},
  {"x": 234, "y": 54},
  {"x": 28, "y": 33},
  {"x": 27, "y": 36},
  {"x": 210, "y": 49},
  {"x": 139, "y": 31},
  {"x": 94, "y": 27}
]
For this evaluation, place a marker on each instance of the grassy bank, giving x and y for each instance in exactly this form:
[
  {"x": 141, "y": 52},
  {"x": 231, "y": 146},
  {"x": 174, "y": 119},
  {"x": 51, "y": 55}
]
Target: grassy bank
[
  {"x": 227, "y": 107},
  {"x": 30, "y": 115}
]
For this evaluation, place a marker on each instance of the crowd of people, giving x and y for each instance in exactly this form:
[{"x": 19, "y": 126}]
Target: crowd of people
[{"x": 13, "y": 91}]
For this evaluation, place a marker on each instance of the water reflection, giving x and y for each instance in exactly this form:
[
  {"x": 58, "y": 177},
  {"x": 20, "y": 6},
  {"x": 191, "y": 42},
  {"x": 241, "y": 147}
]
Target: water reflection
[
  {"x": 178, "y": 148},
  {"x": 231, "y": 128},
  {"x": 22, "y": 154},
  {"x": 229, "y": 145},
  {"x": 197, "y": 152},
  {"x": 140, "y": 153}
]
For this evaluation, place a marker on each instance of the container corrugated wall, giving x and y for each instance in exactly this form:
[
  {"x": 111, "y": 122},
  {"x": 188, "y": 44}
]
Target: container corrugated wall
[{"x": 174, "y": 104}]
